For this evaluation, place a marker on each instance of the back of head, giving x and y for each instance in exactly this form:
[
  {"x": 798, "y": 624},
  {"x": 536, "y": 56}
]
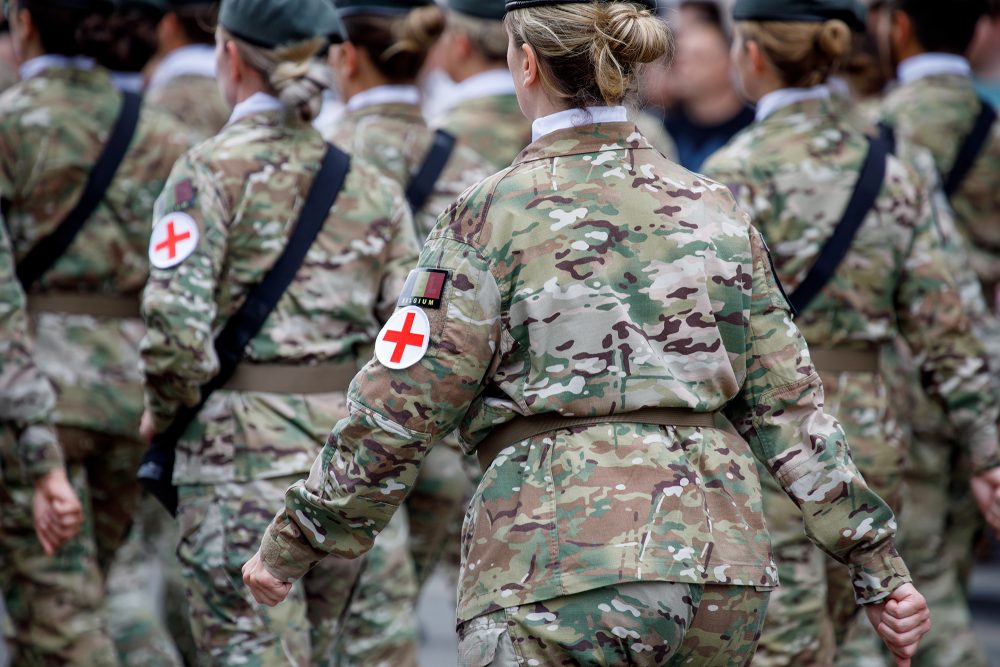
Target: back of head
[
  {"x": 397, "y": 43},
  {"x": 590, "y": 54},
  {"x": 70, "y": 28},
  {"x": 132, "y": 32},
  {"x": 197, "y": 19},
  {"x": 943, "y": 26},
  {"x": 481, "y": 21},
  {"x": 803, "y": 53}
]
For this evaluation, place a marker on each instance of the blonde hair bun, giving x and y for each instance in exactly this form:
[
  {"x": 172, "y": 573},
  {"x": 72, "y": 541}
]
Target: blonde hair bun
[{"x": 834, "y": 39}]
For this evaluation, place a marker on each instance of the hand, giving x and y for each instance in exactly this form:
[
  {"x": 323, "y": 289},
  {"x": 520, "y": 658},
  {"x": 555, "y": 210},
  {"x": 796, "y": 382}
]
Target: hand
[
  {"x": 986, "y": 490},
  {"x": 266, "y": 589},
  {"x": 901, "y": 621},
  {"x": 147, "y": 427},
  {"x": 57, "y": 512}
]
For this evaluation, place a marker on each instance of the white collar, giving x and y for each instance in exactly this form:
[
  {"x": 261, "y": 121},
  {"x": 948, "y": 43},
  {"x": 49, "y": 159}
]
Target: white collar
[
  {"x": 255, "y": 104},
  {"x": 563, "y": 120},
  {"x": 384, "y": 95},
  {"x": 32, "y": 68},
  {"x": 487, "y": 84},
  {"x": 192, "y": 60},
  {"x": 128, "y": 82},
  {"x": 786, "y": 97},
  {"x": 932, "y": 64}
]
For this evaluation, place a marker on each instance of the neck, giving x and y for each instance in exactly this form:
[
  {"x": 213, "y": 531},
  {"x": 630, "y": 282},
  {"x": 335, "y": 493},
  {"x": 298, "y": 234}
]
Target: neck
[
  {"x": 245, "y": 92},
  {"x": 460, "y": 72},
  {"x": 714, "y": 109}
]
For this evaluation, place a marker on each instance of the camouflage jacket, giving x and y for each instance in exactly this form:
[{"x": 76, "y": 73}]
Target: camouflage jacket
[
  {"x": 26, "y": 395},
  {"x": 794, "y": 173},
  {"x": 596, "y": 277},
  {"x": 395, "y": 139},
  {"x": 53, "y": 127},
  {"x": 938, "y": 112},
  {"x": 245, "y": 188},
  {"x": 195, "y": 101},
  {"x": 492, "y": 126}
]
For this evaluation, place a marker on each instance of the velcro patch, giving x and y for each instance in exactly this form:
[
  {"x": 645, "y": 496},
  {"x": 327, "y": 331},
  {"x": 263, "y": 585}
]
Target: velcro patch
[
  {"x": 183, "y": 195},
  {"x": 404, "y": 339},
  {"x": 424, "y": 288},
  {"x": 174, "y": 238}
]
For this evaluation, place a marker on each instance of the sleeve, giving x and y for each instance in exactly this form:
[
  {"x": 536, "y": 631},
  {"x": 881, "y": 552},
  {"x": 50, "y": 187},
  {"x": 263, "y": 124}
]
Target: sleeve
[
  {"x": 780, "y": 413},
  {"x": 27, "y": 398},
  {"x": 936, "y": 325},
  {"x": 370, "y": 462},
  {"x": 403, "y": 251},
  {"x": 178, "y": 305}
]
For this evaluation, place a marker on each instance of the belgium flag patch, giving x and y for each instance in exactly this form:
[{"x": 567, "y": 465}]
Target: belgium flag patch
[{"x": 424, "y": 288}]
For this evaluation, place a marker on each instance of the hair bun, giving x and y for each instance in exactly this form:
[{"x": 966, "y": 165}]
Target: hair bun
[
  {"x": 627, "y": 35},
  {"x": 834, "y": 39}
]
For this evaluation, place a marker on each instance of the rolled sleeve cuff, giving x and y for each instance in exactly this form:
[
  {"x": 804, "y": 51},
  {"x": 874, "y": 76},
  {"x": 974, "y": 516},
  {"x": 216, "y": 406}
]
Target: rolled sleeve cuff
[
  {"x": 283, "y": 552},
  {"x": 878, "y": 575},
  {"x": 40, "y": 451}
]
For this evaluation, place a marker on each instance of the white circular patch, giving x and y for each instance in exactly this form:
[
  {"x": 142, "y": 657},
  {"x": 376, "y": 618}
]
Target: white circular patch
[
  {"x": 404, "y": 339},
  {"x": 174, "y": 238}
]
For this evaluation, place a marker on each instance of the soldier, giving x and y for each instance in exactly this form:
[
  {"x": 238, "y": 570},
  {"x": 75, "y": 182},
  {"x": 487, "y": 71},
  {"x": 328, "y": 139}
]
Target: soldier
[
  {"x": 926, "y": 42},
  {"x": 80, "y": 166},
  {"x": 132, "y": 41},
  {"x": 376, "y": 74},
  {"x": 862, "y": 260},
  {"x": 589, "y": 316},
  {"x": 482, "y": 111},
  {"x": 183, "y": 81},
  {"x": 228, "y": 226}
]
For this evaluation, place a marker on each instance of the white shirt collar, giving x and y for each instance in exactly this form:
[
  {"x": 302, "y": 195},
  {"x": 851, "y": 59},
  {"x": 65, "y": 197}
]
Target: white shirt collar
[
  {"x": 563, "y": 120},
  {"x": 384, "y": 95},
  {"x": 192, "y": 60},
  {"x": 487, "y": 84},
  {"x": 255, "y": 104},
  {"x": 786, "y": 97},
  {"x": 932, "y": 64},
  {"x": 32, "y": 68},
  {"x": 129, "y": 82}
]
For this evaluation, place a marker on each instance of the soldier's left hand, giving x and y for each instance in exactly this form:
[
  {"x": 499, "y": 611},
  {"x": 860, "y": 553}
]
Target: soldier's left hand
[
  {"x": 265, "y": 588},
  {"x": 147, "y": 428},
  {"x": 901, "y": 621},
  {"x": 986, "y": 490}
]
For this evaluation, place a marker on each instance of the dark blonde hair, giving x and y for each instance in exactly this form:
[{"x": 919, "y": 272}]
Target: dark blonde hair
[
  {"x": 487, "y": 36},
  {"x": 397, "y": 45},
  {"x": 591, "y": 54},
  {"x": 804, "y": 54}
]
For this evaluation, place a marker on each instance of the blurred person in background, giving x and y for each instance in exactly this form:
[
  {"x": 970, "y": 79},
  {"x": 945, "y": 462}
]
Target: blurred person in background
[
  {"x": 8, "y": 62},
  {"x": 133, "y": 41},
  {"x": 984, "y": 54}
]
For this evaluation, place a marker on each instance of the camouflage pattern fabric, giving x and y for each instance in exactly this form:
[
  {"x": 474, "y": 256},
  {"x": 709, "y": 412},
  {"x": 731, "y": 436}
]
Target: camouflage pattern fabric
[
  {"x": 641, "y": 624},
  {"x": 938, "y": 112},
  {"x": 895, "y": 272},
  {"x": 656, "y": 133},
  {"x": 596, "y": 277},
  {"x": 492, "y": 126},
  {"x": 194, "y": 101}
]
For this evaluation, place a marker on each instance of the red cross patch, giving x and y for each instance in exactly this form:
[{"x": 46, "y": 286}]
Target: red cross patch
[
  {"x": 174, "y": 238},
  {"x": 404, "y": 339}
]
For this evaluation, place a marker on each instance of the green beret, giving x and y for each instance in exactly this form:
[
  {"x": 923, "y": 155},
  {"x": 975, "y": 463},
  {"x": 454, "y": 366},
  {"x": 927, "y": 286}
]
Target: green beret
[
  {"x": 180, "y": 4},
  {"x": 480, "y": 9},
  {"x": 812, "y": 11},
  {"x": 521, "y": 4},
  {"x": 157, "y": 6},
  {"x": 379, "y": 7},
  {"x": 273, "y": 23}
]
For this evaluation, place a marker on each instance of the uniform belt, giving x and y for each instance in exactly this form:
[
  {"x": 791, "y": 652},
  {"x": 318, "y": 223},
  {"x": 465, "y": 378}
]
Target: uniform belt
[
  {"x": 845, "y": 361},
  {"x": 95, "y": 305},
  {"x": 286, "y": 379},
  {"x": 522, "y": 428}
]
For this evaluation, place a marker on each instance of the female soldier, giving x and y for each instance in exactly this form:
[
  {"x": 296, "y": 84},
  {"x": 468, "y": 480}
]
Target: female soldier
[
  {"x": 225, "y": 217},
  {"x": 795, "y": 171},
  {"x": 587, "y": 316},
  {"x": 77, "y": 204}
]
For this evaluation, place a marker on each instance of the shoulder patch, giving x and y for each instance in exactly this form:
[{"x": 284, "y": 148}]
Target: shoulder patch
[
  {"x": 404, "y": 339},
  {"x": 175, "y": 236},
  {"x": 424, "y": 288},
  {"x": 183, "y": 195}
]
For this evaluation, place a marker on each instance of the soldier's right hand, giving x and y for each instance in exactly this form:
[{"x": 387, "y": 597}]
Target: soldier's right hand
[
  {"x": 901, "y": 621},
  {"x": 986, "y": 490},
  {"x": 57, "y": 512}
]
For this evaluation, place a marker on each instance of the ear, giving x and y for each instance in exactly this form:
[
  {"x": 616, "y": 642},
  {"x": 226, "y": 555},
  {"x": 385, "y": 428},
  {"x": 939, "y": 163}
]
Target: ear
[
  {"x": 901, "y": 34},
  {"x": 462, "y": 44},
  {"x": 758, "y": 63},
  {"x": 166, "y": 28},
  {"x": 234, "y": 62},
  {"x": 529, "y": 73},
  {"x": 348, "y": 60}
]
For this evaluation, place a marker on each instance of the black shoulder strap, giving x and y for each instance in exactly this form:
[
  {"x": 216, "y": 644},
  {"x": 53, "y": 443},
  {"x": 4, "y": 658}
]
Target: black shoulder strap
[
  {"x": 865, "y": 193},
  {"x": 422, "y": 185},
  {"x": 973, "y": 145},
  {"x": 230, "y": 345},
  {"x": 47, "y": 252},
  {"x": 887, "y": 134}
]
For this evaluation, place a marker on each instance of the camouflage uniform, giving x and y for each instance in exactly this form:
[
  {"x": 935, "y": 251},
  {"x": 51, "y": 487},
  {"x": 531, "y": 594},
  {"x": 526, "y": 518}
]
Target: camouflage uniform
[
  {"x": 244, "y": 189},
  {"x": 184, "y": 85},
  {"x": 936, "y": 113},
  {"x": 794, "y": 172},
  {"x": 596, "y": 277},
  {"x": 395, "y": 138},
  {"x": 53, "y": 127}
]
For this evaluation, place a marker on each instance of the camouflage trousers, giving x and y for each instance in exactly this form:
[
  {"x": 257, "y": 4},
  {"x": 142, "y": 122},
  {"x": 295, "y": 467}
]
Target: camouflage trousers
[
  {"x": 220, "y": 529},
  {"x": 634, "y": 624},
  {"x": 56, "y": 605},
  {"x": 813, "y": 615}
]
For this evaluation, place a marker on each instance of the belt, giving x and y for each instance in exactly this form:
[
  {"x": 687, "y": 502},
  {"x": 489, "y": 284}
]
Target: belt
[
  {"x": 522, "y": 428},
  {"x": 95, "y": 305},
  {"x": 845, "y": 361},
  {"x": 286, "y": 379}
]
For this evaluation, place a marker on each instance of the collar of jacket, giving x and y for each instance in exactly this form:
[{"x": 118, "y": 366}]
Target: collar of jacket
[
  {"x": 408, "y": 112},
  {"x": 594, "y": 138}
]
